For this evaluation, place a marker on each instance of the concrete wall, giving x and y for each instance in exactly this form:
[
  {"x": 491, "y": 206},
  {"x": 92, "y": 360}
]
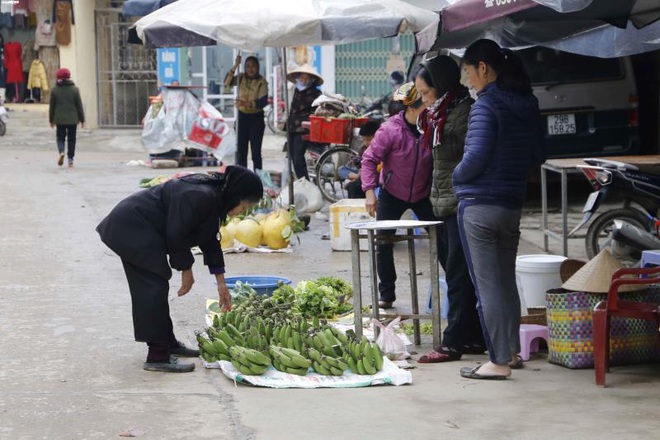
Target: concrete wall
[{"x": 80, "y": 58}]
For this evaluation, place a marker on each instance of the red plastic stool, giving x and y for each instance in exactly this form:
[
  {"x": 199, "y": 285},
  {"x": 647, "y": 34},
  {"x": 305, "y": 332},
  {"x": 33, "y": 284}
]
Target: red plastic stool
[{"x": 529, "y": 339}]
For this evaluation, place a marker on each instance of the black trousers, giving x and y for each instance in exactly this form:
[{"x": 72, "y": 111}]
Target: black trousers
[
  {"x": 151, "y": 310},
  {"x": 66, "y": 133},
  {"x": 391, "y": 208},
  {"x": 250, "y": 130},
  {"x": 298, "y": 146},
  {"x": 463, "y": 325}
]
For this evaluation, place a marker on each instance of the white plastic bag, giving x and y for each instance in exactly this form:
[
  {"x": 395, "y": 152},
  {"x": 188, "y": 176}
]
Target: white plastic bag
[
  {"x": 389, "y": 342},
  {"x": 307, "y": 196}
]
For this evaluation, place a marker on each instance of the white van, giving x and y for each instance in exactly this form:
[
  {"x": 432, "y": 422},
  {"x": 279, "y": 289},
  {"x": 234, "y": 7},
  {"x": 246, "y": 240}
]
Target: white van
[{"x": 589, "y": 104}]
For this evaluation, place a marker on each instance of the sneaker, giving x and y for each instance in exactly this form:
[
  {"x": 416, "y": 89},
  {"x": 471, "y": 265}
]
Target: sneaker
[
  {"x": 60, "y": 160},
  {"x": 70, "y": 163},
  {"x": 183, "y": 351},
  {"x": 173, "y": 366}
]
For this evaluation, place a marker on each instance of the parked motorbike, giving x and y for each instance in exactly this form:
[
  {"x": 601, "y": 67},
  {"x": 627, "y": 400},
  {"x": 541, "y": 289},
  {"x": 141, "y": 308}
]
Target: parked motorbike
[
  {"x": 3, "y": 120},
  {"x": 628, "y": 230}
]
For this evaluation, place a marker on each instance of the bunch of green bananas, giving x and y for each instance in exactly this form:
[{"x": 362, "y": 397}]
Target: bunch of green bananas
[
  {"x": 326, "y": 365},
  {"x": 249, "y": 362},
  {"x": 364, "y": 357},
  {"x": 289, "y": 360}
]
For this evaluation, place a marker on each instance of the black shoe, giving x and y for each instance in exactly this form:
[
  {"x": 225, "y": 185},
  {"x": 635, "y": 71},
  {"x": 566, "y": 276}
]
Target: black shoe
[
  {"x": 474, "y": 349},
  {"x": 183, "y": 351},
  {"x": 173, "y": 366}
]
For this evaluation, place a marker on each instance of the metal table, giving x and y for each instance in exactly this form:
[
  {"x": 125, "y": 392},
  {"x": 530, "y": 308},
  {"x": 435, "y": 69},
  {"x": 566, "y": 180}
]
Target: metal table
[{"x": 409, "y": 225}]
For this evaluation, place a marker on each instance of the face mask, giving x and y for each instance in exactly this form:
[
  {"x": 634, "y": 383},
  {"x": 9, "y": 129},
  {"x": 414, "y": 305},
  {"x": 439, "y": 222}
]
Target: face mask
[
  {"x": 473, "y": 93},
  {"x": 300, "y": 86}
]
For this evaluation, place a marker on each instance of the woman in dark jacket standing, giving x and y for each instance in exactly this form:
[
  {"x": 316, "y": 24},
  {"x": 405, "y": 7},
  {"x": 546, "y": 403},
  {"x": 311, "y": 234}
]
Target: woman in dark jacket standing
[
  {"x": 167, "y": 220},
  {"x": 504, "y": 142},
  {"x": 65, "y": 111},
  {"x": 306, "y": 80},
  {"x": 251, "y": 100},
  {"x": 443, "y": 125}
]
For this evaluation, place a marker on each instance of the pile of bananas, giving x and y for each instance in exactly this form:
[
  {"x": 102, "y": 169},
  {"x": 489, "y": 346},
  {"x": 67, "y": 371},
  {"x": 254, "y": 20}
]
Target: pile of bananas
[
  {"x": 252, "y": 345},
  {"x": 248, "y": 361}
]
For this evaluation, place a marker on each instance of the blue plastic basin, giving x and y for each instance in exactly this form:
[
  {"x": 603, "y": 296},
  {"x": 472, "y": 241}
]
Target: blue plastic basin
[{"x": 264, "y": 285}]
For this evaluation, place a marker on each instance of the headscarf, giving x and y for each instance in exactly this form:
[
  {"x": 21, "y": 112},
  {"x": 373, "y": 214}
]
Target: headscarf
[
  {"x": 444, "y": 72},
  {"x": 62, "y": 75},
  {"x": 237, "y": 184}
]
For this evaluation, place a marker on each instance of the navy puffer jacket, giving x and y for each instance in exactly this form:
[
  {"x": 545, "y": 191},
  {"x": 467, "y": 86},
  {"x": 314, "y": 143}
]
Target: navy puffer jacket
[{"x": 504, "y": 142}]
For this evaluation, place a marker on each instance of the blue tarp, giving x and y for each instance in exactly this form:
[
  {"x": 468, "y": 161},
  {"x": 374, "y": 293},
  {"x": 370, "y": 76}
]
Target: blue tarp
[{"x": 140, "y": 8}]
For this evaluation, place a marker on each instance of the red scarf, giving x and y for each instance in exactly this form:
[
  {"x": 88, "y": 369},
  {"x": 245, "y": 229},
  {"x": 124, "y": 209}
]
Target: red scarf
[{"x": 431, "y": 121}]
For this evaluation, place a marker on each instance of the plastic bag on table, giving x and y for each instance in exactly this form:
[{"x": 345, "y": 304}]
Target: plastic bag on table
[
  {"x": 389, "y": 342},
  {"x": 307, "y": 196}
]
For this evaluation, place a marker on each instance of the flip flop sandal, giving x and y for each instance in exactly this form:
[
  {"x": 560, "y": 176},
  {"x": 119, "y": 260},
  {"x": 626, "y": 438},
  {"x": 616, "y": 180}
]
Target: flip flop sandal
[
  {"x": 435, "y": 357},
  {"x": 473, "y": 373},
  {"x": 516, "y": 363}
]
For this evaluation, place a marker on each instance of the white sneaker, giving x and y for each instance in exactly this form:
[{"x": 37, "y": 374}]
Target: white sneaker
[{"x": 70, "y": 163}]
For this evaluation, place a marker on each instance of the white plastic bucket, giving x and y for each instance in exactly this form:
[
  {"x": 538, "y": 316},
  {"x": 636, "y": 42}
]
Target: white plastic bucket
[{"x": 536, "y": 274}]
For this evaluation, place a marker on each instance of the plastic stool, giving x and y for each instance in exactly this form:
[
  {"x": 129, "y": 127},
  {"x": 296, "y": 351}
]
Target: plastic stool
[{"x": 529, "y": 339}]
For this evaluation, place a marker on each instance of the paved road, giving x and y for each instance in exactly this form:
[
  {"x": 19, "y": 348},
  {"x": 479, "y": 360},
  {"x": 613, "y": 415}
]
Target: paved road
[{"x": 71, "y": 370}]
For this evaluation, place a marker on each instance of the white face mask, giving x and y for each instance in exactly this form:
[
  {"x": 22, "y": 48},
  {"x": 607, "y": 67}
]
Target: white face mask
[
  {"x": 300, "y": 86},
  {"x": 473, "y": 93}
]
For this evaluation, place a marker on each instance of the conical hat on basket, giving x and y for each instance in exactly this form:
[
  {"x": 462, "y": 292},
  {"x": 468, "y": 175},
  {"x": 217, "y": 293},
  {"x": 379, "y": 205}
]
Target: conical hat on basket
[
  {"x": 305, "y": 68},
  {"x": 596, "y": 275}
]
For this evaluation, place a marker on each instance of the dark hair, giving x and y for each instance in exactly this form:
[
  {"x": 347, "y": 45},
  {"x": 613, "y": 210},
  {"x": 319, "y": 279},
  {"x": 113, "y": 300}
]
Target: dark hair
[
  {"x": 395, "y": 107},
  {"x": 511, "y": 73},
  {"x": 440, "y": 72},
  {"x": 369, "y": 128},
  {"x": 397, "y": 77}
]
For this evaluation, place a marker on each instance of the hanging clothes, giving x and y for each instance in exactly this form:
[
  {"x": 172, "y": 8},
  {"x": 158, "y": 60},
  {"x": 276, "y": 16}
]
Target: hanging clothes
[
  {"x": 63, "y": 19},
  {"x": 44, "y": 36},
  {"x": 37, "y": 78},
  {"x": 3, "y": 70},
  {"x": 14, "y": 62}
]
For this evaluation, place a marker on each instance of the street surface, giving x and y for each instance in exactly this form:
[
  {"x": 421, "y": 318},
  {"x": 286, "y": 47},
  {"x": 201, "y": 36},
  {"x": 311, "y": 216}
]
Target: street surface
[{"x": 71, "y": 369}]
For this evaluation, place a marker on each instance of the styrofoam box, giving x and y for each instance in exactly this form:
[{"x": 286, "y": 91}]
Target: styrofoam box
[{"x": 342, "y": 213}]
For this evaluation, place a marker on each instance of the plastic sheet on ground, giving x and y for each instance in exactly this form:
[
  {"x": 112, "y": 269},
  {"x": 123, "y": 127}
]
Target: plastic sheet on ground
[{"x": 389, "y": 375}]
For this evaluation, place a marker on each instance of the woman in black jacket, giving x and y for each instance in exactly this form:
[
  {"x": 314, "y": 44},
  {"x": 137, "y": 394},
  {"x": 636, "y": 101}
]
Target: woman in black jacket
[{"x": 167, "y": 220}]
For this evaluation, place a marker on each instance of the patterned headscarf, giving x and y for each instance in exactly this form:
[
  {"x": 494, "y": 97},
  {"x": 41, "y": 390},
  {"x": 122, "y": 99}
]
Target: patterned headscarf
[{"x": 406, "y": 94}]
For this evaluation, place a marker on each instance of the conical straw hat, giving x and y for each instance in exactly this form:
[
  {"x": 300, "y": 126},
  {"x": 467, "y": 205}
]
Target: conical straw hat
[
  {"x": 596, "y": 275},
  {"x": 305, "y": 68}
]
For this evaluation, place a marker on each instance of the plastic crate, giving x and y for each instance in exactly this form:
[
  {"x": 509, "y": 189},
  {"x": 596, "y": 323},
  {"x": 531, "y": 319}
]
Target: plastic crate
[{"x": 333, "y": 130}]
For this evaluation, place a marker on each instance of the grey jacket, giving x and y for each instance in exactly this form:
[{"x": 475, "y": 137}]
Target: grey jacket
[{"x": 446, "y": 157}]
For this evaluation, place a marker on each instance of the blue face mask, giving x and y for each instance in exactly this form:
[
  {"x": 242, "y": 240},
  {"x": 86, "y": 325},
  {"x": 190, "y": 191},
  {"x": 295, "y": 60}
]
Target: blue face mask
[{"x": 300, "y": 86}]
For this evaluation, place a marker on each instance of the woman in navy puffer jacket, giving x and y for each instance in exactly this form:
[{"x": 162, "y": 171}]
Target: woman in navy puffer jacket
[{"x": 503, "y": 143}]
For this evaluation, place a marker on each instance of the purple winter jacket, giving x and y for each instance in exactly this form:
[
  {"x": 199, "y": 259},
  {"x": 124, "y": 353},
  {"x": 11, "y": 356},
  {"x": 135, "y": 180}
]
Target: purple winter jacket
[{"x": 407, "y": 166}]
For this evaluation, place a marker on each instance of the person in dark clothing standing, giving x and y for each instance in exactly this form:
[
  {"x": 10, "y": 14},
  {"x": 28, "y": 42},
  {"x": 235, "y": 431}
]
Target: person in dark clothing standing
[
  {"x": 65, "y": 112},
  {"x": 443, "y": 125},
  {"x": 251, "y": 100},
  {"x": 504, "y": 143},
  {"x": 167, "y": 220},
  {"x": 306, "y": 80}
]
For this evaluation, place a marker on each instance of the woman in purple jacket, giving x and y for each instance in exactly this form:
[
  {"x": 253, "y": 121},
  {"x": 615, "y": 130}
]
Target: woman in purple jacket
[
  {"x": 405, "y": 180},
  {"x": 504, "y": 142}
]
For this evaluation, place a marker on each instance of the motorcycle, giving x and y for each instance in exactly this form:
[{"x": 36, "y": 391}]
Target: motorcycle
[
  {"x": 3, "y": 120},
  {"x": 628, "y": 230}
]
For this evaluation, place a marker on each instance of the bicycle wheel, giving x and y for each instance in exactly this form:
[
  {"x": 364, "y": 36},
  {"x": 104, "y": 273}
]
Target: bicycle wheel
[
  {"x": 327, "y": 172},
  {"x": 270, "y": 119}
]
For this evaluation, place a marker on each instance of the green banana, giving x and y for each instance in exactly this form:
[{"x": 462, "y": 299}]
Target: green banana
[
  {"x": 369, "y": 367},
  {"x": 298, "y": 371},
  {"x": 352, "y": 364},
  {"x": 233, "y": 331},
  {"x": 207, "y": 357},
  {"x": 336, "y": 371},
  {"x": 366, "y": 354},
  {"x": 296, "y": 357},
  {"x": 360, "y": 367},
  {"x": 256, "y": 357},
  {"x": 220, "y": 347},
  {"x": 378, "y": 357},
  {"x": 321, "y": 369},
  {"x": 216, "y": 321},
  {"x": 331, "y": 361},
  {"x": 224, "y": 357},
  {"x": 209, "y": 348},
  {"x": 297, "y": 341},
  {"x": 224, "y": 336}
]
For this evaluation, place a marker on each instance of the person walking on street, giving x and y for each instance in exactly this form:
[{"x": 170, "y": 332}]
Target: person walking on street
[
  {"x": 404, "y": 181},
  {"x": 65, "y": 112},
  {"x": 167, "y": 220},
  {"x": 443, "y": 125},
  {"x": 251, "y": 100},
  {"x": 306, "y": 80},
  {"x": 503, "y": 143}
]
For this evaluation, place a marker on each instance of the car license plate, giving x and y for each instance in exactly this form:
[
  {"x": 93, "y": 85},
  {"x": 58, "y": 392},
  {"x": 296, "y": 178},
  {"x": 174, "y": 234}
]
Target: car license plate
[
  {"x": 561, "y": 124},
  {"x": 591, "y": 201}
]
